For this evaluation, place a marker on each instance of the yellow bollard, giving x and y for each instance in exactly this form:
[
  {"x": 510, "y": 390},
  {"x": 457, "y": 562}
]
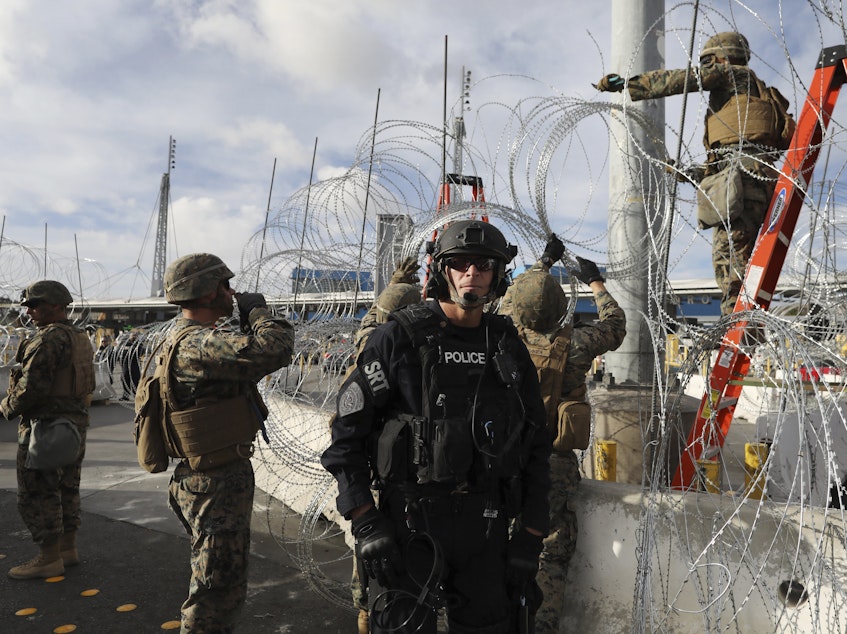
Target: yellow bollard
[
  {"x": 606, "y": 460},
  {"x": 755, "y": 455},
  {"x": 709, "y": 476}
]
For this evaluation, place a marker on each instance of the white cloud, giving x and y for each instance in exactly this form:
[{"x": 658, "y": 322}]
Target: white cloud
[{"x": 92, "y": 90}]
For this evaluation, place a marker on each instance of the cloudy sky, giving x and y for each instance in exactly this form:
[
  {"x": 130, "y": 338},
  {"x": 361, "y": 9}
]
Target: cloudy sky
[{"x": 92, "y": 90}]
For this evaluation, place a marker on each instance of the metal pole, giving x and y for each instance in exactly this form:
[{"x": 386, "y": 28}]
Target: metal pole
[
  {"x": 630, "y": 182},
  {"x": 265, "y": 228},
  {"x": 303, "y": 233},
  {"x": 365, "y": 211},
  {"x": 78, "y": 273},
  {"x": 161, "y": 246},
  {"x": 444, "y": 123}
]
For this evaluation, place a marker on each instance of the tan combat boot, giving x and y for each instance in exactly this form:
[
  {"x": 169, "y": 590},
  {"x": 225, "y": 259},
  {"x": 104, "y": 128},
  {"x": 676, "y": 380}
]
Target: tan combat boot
[
  {"x": 48, "y": 563},
  {"x": 67, "y": 549},
  {"x": 364, "y": 624}
]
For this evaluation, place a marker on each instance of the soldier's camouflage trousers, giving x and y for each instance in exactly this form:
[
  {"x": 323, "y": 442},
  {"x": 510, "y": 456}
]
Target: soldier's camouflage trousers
[
  {"x": 215, "y": 507},
  {"x": 731, "y": 250},
  {"x": 560, "y": 544},
  {"x": 48, "y": 499},
  {"x": 359, "y": 587}
]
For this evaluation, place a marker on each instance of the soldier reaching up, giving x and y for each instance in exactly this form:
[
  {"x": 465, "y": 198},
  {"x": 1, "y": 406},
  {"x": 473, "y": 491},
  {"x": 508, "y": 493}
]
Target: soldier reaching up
[
  {"x": 562, "y": 355},
  {"x": 747, "y": 127}
]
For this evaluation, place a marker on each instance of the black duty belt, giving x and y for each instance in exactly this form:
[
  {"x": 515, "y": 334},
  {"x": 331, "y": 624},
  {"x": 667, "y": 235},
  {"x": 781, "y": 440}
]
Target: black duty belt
[{"x": 452, "y": 504}]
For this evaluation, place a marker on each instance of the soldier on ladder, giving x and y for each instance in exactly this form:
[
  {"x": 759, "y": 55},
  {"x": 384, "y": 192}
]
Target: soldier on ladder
[
  {"x": 724, "y": 385},
  {"x": 747, "y": 127}
]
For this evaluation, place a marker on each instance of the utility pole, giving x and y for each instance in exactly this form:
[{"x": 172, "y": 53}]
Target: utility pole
[
  {"x": 459, "y": 132},
  {"x": 632, "y": 187},
  {"x": 160, "y": 255},
  {"x": 622, "y": 407}
]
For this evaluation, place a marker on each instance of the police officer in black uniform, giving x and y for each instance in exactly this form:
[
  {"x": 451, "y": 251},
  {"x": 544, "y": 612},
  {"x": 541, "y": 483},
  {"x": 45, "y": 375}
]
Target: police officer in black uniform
[{"x": 444, "y": 417}]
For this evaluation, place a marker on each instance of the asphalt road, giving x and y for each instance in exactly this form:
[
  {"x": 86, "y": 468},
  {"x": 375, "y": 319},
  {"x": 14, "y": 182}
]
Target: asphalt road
[{"x": 134, "y": 553}]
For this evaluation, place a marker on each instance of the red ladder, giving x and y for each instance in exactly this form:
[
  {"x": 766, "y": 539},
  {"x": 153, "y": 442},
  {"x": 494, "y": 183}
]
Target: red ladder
[
  {"x": 451, "y": 180},
  {"x": 723, "y": 390}
]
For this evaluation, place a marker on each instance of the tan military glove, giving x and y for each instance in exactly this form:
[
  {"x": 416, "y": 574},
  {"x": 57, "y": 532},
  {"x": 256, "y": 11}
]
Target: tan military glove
[
  {"x": 610, "y": 83},
  {"x": 406, "y": 271}
]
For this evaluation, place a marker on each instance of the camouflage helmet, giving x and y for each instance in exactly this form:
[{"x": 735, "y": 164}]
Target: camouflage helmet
[
  {"x": 729, "y": 45},
  {"x": 395, "y": 297},
  {"x": 193, "y": 276},
  {"x": 535, "y": 300},
  {"x": 47, "y": 291}
]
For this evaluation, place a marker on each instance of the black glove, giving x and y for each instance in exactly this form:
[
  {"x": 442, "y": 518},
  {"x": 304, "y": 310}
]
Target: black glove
[
  {"x": 694, "y": 173},
  {"x": 246, "y": 303},
  {"x": 522, "y": 557},
  {"x": 610, "y": 83},
  {"x": 376, "y": 547},
  {"x": 687, "y": 173},
  {"x": 553, "y": 251},
  {"x": 588, "y": 271},
  {"x": 406, "y": 271}
]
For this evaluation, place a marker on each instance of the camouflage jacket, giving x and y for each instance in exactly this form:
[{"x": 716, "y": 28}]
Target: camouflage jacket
[
  {"x": 221, "y": 362},
  {"x": 40, "y": 358},
  {"x": 372, "y": 318},
  {"x": 722, "y": 81},
  {"x": 366, "y": 327},
  {"x": 587, "y": 340}
]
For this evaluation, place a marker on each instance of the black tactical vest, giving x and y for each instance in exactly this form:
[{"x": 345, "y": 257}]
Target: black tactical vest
[{"x": 472, "y": 418}]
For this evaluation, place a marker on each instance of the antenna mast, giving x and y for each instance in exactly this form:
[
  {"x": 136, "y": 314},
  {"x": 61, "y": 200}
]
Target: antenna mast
[
  {"x": 459, "y": 132},
  {"x": 160, "y": 254}
]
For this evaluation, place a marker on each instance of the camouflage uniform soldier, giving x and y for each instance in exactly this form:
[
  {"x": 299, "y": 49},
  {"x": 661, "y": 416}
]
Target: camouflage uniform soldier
[
  {"x": 54, "y": 382},
  {"x": 563, "y": 356},
  {"x": 400, "y": 292},
  {"x": 213, "y": 380},
  {"x": 394, "y": 297},
  {"x": 723, "y": 71}
]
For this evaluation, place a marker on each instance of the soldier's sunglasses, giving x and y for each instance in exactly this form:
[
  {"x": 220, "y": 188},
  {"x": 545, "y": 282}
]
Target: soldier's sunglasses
[{"x": 462, "y": 264}]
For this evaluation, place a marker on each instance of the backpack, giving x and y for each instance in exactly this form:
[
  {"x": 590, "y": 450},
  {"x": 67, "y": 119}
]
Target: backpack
[
  {"x": 550, "y": 361},
  {"x": 568, "y": 415},
  {"x": 784, "y": 125},
  {"x": 151, "y": 407}
]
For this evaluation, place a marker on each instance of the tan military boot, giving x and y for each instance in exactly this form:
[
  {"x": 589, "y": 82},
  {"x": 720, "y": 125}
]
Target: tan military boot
[
  {"x": 67, "y": 549},
  {"x": 364, "y": 624},
  {"x": 48, "y": 563}
]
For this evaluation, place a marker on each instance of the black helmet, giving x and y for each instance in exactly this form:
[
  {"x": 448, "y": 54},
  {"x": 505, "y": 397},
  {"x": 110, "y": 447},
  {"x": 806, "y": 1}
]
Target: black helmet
[
  {"x": 473, "y": 237},
  {"x": 193, "y": 276},
  {"x": 469, "y": 237}
]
